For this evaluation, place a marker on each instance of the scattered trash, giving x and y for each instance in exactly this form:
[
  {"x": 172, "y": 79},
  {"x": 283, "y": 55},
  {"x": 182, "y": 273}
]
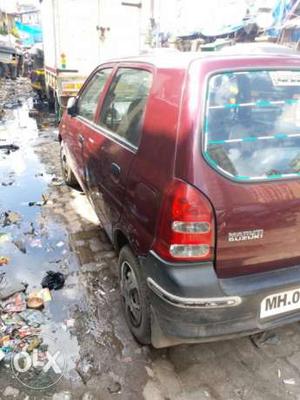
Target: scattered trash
[
  {"x": 4, "y": 237},
  {"x": 35, "y": 302},
  {"x": 9, "y": 286},
  {"x": 70, "y": 323},
  {"x": 60, "y": 244},
  {"x": 53, "y": 280},
  {"x": 10, "y": 147},
  {"x": 290, "y": 381},
  {"x": 57, "y": 182},
  {"x": 4, "y": 261},
  {"x": 10, "y": 218},
  {"x": 265, "y": 338},
  {"x": 8, "y": 183},
  {"x": 15, "y": 303},
  {"x": 42, "y": 203},
  {"x": 20, "y": 245},
  {"x": 11, "y": 392},
  {"x": 43, "y": 294},
  {"x": 2, "y": 355},
  {"x": 114, "y": 388},
  {"x": 65, "y": 395},
  {"x": 36, "y": 243},
  {"x": 33, "y": 318},
  {"x": 34, "y": 343},
  {"x": 85, "y": 369}
]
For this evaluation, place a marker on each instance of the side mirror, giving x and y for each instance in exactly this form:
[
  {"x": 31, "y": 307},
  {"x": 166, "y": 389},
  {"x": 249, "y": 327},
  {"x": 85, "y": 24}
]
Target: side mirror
[{"x": 71, "y": 106}]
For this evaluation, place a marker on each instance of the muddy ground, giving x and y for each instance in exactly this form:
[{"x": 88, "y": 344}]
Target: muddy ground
[{"x": 61, "y": 233}]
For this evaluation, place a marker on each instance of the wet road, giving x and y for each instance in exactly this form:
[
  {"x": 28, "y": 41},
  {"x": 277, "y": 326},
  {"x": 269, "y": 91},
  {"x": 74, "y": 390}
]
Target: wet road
[{"x": 84, "y": 319}]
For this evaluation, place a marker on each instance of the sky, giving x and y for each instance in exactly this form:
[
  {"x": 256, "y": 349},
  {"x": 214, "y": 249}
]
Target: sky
[{"x": 11, "y": 5}]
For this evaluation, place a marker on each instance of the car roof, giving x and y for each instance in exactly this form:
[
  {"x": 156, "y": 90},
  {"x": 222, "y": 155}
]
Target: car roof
[{"x": 171, "y": 58}]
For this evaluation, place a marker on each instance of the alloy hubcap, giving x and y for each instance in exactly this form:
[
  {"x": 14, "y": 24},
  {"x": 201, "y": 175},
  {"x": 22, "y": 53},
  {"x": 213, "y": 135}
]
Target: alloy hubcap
[{"x": 131, "y": 295}]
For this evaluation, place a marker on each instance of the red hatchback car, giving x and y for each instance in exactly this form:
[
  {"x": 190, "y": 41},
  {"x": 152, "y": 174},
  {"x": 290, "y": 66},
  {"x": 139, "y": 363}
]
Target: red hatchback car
[{"x": 192, "y": 163}]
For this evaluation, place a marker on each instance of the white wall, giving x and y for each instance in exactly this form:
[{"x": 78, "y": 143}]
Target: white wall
[{"x": 8, "y": 6}]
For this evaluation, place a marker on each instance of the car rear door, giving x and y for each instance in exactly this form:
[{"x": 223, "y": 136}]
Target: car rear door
[
  {"x": 112, "y": 148},
  {"x": 251, "y": 172},
  {"x": 78, "y": 128}
]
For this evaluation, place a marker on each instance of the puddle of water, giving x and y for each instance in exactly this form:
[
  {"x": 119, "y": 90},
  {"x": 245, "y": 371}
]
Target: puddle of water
[{"x": 26, "y": 180}]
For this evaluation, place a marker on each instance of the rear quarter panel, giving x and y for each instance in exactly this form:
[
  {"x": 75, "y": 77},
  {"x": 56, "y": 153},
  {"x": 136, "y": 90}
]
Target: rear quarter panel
[{"x": 153, "y": 164}]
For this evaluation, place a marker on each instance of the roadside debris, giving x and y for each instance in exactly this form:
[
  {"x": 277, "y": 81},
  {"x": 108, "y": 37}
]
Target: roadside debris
[
  {"x": 33, "y": 318},
  {"x": 10, "y": 218},
  {"x": 290, "y": 381},
  {"x": 42, "y": 203},
  {"x": 43, "y": 294},
  {"x": 4, "y": 261},
  {"x": 4, "y": 237},
  {"x": 20, "y": 245},
  {"x": 53, "y": 280},
  {"x": 9, "y": 147},
  {"x": 35, "y": 302},
  {"x": 57, "y": 182},
  {"x": 9, "y": 286},
  {"x": 19, "y": 324},
  {"x": 114, "y": 388},
  {"x": 265, "y": 338},
  {"x": 14, "y": 304}
]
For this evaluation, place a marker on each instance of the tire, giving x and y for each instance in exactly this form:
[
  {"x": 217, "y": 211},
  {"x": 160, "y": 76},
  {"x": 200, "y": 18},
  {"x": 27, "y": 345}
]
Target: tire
[
  {"x": 67, "y": 173},
  {"x": 135, "y": 296}
]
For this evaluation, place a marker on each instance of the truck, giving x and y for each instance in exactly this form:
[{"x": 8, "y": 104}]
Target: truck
[{"x": 79, "y": 35}]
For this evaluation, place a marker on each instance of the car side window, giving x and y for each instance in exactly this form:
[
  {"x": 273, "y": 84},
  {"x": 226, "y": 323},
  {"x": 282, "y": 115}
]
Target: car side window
[
  {"x": 124, "y": 105},
  {"x": 88, "y": 100}
]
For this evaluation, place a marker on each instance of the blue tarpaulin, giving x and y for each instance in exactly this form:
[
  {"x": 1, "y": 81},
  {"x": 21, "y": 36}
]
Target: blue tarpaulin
[
  {"x": 32, "y": 33},
  {"x": 281, "y": 11}
]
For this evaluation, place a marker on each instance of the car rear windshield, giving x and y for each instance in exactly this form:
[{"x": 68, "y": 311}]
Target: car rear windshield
[{"x": 252, "y": 124}]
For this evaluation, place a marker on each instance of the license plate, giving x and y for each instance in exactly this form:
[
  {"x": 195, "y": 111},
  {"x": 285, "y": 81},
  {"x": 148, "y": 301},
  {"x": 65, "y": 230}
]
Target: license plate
[{"x": 280, "y": 303}]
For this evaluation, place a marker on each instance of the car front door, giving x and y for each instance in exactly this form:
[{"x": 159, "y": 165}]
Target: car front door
[
  {"x": 111, "y": 151},
  {"x": 80, "y": 125}
]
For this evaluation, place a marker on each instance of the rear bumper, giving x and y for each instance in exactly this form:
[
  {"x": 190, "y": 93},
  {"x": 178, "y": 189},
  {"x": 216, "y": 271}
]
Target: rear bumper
[{"x": 190, "y": 304}]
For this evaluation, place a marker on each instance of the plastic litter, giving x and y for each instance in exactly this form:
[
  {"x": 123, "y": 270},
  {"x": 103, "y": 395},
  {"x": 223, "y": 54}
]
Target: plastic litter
[
  {"x": 4, "y": 261},
  {"x": 35, "y": 302},
  {"x": 10, "y": 218},
  {"x": 20, "y": 245},
  {"x": 44, "y": 294},
  {"x": 15, "y": 303},
  {"x": 290, "y": 381},
  {"x": 33, "y": 318},
  {"x": 9, "y": 286},
  {"x": 35, "y": 343},
  {"x": 53, "y": 280},
  {"x": 4, "y": 237},
  {"x": 11, "y": 147}
]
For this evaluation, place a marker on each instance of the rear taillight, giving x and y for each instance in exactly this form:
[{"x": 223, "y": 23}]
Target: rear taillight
[{"x": 186, "y": 227}]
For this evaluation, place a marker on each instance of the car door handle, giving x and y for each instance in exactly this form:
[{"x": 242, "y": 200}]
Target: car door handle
[
  {"x": 80, "y": 139},
  {"x": 115, "y": 170}
]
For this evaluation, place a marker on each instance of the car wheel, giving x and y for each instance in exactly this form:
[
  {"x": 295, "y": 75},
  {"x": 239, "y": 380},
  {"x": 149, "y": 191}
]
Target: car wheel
[
  {"x": 135, "y": 296},
  {"x": 67, "y": 173}
]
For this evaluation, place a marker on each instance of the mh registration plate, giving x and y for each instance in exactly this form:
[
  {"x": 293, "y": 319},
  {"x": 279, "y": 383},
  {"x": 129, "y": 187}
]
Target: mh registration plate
[{"x": 280, "y": 303}]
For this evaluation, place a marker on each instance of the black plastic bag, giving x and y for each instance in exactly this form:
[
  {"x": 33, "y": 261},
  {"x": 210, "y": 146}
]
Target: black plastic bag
[{"x": 53, "y": 280}]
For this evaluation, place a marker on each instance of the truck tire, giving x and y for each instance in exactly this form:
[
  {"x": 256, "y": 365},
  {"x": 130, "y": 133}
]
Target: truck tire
[
  {"x": 67, "y": 173},
  {"x": 135, "y": 296}
]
